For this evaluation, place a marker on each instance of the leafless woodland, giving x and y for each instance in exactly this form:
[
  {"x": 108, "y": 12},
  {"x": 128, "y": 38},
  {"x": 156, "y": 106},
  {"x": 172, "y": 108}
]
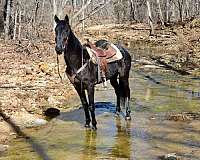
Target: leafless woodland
[{"x": 27, "y": 19}]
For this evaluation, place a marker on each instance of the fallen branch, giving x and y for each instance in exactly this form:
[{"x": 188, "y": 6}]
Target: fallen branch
[{"x": 165, "y": 65}]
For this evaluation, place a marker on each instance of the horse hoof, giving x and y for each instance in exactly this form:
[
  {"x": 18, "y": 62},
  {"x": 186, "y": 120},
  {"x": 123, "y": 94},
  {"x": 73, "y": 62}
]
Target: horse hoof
[
  {"x": 87, "y": 126},
  {"x": 128, "y": 118},
  {"x": 94, "y": 128},
  {"x": 117, "y": 114}
]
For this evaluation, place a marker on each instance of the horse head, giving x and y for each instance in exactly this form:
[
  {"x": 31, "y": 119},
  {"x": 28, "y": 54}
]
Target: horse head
[{"x": 62, "y": 32}]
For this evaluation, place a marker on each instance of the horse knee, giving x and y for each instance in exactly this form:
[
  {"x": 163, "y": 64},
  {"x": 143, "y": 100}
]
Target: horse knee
[{"x": 91, "y": 108}]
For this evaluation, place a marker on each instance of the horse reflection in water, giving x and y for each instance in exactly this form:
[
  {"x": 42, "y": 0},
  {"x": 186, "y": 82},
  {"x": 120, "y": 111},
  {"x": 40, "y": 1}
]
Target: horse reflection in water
[
  {"x": 121, "y": 147},
  {"x": 90, "y": 146}
]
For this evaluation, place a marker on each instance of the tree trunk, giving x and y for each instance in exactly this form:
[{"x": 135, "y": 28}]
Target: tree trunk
[
  {"x": 42, "y": 12},
  {"x": 36, "y": 10},
  {"x": 150, "y": 18},
  {"x": 15, "y": 25},
  {"x": 197, "y": 8},
  {"x": 180, "y": 8},
  {"x": 83, "y": 15},
  {"x": 54, "y": 12},
  {"x": 1, "y": 17},
  {"x": 160, "y": 13},
  {"x": 7, "y": 22},
  {"x": 167, "y": 10},
  {"x": 20, "y": 24},
  {"x": 74, "y": 4},
  {"x": 186, "y": 9},
  {"x": 132, "y": 12}
]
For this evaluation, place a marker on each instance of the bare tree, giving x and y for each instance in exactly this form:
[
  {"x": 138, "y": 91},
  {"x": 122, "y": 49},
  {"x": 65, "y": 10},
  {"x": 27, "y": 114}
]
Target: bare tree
[
  {"x": 150, "y": 18},
  {"x": 7, "y": 22},
  {"x": 1, "y": 16},
  {"x": 160, "y": 13},
  {"x": 133, "y": 10}
]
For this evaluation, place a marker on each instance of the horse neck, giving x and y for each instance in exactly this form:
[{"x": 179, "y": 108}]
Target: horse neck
[{"x": 73, "y": 52}]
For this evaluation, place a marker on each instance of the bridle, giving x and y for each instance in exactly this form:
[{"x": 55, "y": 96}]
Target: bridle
[{"x": 83, "y": 65}]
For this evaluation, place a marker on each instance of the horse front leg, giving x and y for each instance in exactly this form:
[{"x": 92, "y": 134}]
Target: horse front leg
[
  {"x": 91, "y": 105},
  {"x": 81, "y": 93}
]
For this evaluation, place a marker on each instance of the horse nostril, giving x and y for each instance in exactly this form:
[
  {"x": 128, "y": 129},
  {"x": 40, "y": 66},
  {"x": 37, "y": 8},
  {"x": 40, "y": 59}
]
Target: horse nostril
[{"x": 58, "y": 50}]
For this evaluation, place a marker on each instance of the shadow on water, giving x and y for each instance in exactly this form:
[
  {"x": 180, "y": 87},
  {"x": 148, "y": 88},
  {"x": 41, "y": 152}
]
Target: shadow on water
[
  {"x": 78, "y": 114},
  {"x": 35, "y": 146}
]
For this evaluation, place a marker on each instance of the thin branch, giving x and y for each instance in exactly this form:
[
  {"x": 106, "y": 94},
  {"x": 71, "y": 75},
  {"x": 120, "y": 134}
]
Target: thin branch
[
  {"x": 95, "y": 10},
  {"x": 82, "y": 9}
]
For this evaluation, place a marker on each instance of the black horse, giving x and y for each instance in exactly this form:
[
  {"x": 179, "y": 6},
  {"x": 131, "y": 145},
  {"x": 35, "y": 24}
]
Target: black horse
[{"x": 83, "y": 73}]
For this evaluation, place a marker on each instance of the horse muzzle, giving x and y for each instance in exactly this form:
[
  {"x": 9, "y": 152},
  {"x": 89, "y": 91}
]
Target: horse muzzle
[{"x": 59, "y": 50}]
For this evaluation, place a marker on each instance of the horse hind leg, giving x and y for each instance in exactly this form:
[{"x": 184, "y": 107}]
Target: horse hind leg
[
  {"x": 125, "y": 95},
  {"x": 115, "y": 85}
]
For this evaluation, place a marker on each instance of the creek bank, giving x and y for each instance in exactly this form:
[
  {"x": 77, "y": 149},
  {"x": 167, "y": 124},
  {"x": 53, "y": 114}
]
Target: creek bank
[
  {"x": 177, "y": 47},
  {"x": 29, "y": 84}
]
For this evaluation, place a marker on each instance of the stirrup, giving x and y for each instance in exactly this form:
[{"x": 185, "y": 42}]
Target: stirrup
[{"x": 104, "y": 82}]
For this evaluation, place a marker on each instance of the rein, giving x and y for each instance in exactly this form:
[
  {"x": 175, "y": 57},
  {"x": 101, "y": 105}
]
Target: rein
[
  {"x": 83, "y": 66},
  {"x": 59, "y": 69}
]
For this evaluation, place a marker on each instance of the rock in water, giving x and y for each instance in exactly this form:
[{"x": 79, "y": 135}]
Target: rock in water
[
  {"x": 3, "y": 148},
  {"x": 170, "y": 156},
  {"x": 39, "y": 122}
]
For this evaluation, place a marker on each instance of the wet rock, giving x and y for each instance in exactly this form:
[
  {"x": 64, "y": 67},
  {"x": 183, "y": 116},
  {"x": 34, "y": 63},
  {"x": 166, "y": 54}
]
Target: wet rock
[
  {"x": 25, "y": 119},
  {"x": 178, "y": 117},
  {"x": 39, "y": 122},
  {"x": 3, "y": 148},
  {"x": 185, "y": 116},
  {"x": 170, "y": 156}
]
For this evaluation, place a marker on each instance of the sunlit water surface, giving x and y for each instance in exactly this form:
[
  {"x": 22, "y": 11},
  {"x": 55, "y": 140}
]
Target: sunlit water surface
[{"x": 146, "y": 137}]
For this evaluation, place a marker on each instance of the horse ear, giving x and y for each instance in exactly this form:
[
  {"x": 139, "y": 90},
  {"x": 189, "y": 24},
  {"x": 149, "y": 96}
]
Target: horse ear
[
  {"x": 67, "y": 19},
  {"x": 56, "y": 19}
]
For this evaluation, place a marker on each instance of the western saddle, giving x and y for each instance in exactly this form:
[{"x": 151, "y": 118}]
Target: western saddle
[{"x": 102, "y": 57}]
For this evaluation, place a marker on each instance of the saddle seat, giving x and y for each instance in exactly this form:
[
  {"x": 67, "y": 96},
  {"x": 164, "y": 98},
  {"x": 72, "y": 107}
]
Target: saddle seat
[
  {"x": 106, "y": 53},
  {"x": 110, "y": 54},
  {"x": 102, "y": 57}
]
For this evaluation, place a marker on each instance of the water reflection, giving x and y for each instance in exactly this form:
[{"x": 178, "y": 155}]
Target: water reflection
[
  {"x": 90, "y": 146},
  {"x": 148, "y": 94},
  {"x": 122, "y": 144},
  {"x": 118, "y": 146}
]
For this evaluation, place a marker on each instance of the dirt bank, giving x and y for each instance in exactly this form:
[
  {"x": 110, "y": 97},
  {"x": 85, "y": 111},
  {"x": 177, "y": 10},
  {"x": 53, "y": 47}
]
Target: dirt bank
[{"x": 29, "y": 84}]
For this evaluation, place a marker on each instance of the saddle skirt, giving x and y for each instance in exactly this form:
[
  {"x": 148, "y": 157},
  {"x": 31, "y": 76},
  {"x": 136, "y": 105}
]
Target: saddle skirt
[{"x": 110, "y": 54}]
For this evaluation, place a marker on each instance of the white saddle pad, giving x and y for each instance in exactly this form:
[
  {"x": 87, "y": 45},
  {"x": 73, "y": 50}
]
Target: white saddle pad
[{"x": 95, "y": 59}]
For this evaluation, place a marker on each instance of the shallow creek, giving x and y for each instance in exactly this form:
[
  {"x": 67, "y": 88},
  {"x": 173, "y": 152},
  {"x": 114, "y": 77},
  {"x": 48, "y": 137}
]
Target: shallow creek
[{"x": 146, "y": 137}]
